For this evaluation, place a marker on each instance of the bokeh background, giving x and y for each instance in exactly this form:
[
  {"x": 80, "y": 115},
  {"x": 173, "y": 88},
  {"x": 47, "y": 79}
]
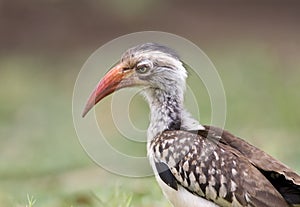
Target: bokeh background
[{"x": 43, "y": 44}]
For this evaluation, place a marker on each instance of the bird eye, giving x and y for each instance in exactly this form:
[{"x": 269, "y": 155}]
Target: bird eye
[{"x": 143, "y": 67}]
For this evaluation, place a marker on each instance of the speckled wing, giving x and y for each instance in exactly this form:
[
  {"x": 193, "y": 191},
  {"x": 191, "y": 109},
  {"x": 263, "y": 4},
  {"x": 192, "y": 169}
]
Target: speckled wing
[
  {"x": 283, "y": 178},
  {"x": 214, "y": 170}
]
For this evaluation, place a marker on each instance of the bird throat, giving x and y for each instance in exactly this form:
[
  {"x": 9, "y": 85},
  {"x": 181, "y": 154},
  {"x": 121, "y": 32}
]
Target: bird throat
[{"x": 165, "y": 111}]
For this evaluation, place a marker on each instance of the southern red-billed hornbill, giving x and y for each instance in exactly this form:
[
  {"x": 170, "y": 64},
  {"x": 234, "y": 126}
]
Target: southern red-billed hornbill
[{"x": 195, "y": 165}]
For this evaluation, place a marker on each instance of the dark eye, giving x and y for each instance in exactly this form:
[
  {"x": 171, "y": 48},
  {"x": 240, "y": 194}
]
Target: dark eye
[{"x": 143, "y": 67}]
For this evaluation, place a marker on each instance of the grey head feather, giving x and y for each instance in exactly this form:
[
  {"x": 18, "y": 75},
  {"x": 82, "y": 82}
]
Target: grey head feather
[{"x": 150, "y": 47}]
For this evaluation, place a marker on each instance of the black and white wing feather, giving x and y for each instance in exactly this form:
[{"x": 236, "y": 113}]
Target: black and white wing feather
[{"x": 207, "y": 165}]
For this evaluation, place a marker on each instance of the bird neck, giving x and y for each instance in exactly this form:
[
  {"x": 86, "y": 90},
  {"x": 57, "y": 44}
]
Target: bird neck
[{"x": 165, "y": 110}]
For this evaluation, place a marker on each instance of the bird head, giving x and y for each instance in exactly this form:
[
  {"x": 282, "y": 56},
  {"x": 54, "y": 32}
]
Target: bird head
[{"x": 151, "y": 65}]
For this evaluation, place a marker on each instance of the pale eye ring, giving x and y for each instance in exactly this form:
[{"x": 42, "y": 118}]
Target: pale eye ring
[{"x": 143, "y": 67}]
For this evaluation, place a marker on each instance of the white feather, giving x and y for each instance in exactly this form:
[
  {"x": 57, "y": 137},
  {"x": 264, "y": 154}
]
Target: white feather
[{"x": 180, "y": 197}]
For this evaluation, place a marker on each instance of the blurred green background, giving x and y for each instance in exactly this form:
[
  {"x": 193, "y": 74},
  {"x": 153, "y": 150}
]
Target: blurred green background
[{"x": 43, "y": 44}]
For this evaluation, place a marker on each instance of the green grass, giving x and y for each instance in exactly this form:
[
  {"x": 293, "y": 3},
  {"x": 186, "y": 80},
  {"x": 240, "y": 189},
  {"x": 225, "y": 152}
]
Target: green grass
[
  {"x": 31, "y": 201},
  {"x": 40, "y": 155}
]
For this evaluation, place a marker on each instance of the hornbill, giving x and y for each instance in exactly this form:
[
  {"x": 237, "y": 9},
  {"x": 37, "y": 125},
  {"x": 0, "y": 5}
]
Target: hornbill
[{"x": 195, "y": 165}]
